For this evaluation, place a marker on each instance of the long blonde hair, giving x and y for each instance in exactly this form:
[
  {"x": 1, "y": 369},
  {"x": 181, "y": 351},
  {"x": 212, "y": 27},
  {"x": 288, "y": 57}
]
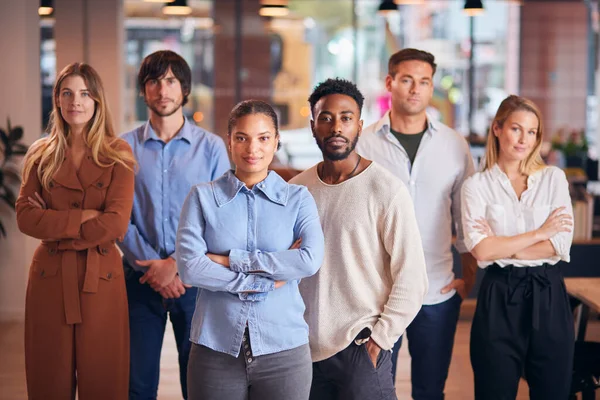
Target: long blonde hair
[
  {"x": 99, "y": 134},
  {"x": 508, "y": 106}
]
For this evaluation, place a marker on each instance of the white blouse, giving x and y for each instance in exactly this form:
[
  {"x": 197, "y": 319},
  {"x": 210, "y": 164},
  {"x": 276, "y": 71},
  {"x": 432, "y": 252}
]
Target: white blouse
[{"x": 489, "y": 194}]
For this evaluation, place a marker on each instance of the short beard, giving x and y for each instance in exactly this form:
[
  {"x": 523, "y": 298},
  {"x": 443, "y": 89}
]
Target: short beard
[
  {"x": 337, "y": 156},
  {"x": 162, "y": 113}
]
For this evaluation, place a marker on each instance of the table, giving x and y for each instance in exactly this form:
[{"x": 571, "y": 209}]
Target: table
[{"x": 586, "y": 290}]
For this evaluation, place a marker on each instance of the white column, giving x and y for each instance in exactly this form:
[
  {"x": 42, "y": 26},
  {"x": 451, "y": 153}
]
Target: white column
[
  {"x": 20, "y": 99},
  {"x": 93, "y": 32}
]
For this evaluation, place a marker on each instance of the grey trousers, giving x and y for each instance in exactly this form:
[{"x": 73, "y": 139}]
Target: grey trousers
[{"x": 213, "y": 375}]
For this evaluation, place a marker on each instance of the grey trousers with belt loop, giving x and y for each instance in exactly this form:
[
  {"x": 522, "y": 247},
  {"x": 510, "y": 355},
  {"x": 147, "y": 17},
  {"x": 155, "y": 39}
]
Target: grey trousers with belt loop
[
  {"x": 213, "y": 375},
  {"x": 523, "y": 323}
]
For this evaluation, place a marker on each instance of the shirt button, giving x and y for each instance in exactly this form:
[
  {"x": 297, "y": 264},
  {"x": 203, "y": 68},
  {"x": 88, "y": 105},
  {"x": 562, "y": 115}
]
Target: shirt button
[
  {"x": 75, "y": 205},
  {"x": 245, "y": 346},
  {"x": 250, "y": 360},
  {"x": 247, "y": 353},
  {"x": 244, "y": 339},
  {"x": 412, "y": 183},
  {"x": 165, "y": 171}
]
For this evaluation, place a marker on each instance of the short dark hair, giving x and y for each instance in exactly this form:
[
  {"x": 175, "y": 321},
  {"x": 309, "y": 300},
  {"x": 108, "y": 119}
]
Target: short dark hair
[
  {"x": 336, "y": 86},
  {"x": 251, "y": 107},
  {"x": 409, "y": 55},
  {"x": 156, "y": 65}
]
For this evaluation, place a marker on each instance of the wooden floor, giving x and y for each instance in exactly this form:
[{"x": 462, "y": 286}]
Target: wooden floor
[{"x": 458, "y": 387}]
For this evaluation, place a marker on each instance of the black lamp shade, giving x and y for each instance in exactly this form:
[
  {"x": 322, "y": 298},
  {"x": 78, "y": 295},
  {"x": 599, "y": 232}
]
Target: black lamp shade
[
  {"x": 473, "y": 7},
  {"x": 387, "y": 6}
]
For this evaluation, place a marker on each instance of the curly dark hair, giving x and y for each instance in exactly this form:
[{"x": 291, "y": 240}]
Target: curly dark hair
[{"x": 336, "y": 86}]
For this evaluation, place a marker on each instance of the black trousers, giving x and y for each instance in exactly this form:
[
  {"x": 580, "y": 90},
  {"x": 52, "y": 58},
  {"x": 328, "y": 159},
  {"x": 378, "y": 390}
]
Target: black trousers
[
  {"x": 523, "y": 324},
  {"x": 350, "y": 375}
]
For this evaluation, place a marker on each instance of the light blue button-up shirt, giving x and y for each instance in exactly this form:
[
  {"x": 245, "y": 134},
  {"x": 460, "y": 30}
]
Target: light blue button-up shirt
[
  {"x": 255, "y": 227},
  {"x": 166, "y": 173}
]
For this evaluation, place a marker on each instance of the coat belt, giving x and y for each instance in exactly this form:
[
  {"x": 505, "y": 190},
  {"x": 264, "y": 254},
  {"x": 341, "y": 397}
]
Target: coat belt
[{"x": 70, "y": 281}]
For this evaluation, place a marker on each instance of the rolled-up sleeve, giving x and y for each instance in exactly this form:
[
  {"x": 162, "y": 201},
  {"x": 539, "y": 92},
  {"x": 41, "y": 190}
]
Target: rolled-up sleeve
[
  {"x": 467, "y": 169},
  {"x": 472, "y": 208},
  {"x": 560, "y": 198}
]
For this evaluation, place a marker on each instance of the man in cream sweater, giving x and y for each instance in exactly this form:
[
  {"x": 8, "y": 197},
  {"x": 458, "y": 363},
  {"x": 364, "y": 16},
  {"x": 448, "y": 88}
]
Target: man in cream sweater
[{"x": 373, "y": 278}]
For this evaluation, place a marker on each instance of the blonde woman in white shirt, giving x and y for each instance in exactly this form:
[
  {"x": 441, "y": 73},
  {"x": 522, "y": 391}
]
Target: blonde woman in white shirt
[{"x": 517, "y": 220}]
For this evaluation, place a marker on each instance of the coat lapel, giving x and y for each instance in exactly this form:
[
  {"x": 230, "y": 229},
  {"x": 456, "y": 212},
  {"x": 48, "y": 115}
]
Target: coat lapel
[
  {"x": 67, "y": 175},
  {"x": 89, "y": 171}
]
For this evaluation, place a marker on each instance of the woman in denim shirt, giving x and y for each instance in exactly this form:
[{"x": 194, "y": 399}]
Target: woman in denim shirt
[{"x": 246, "y": 240}]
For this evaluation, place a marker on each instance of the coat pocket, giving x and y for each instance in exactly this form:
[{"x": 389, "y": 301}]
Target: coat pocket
[
  {"x": 96, "y": 193},
  {"x": 46, "y": 262},
  {"x": 111, "y": 266}
]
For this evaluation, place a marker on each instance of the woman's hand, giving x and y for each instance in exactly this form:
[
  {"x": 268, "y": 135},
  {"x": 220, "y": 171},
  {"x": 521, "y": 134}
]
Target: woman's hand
[
  {"x": 557, "y": 222},
  {"x": 483, "y": 227},
  {"x": 223, "y": 260},
  {"x": 86, "y": 215},
  {"x": 37, "y": 201}
]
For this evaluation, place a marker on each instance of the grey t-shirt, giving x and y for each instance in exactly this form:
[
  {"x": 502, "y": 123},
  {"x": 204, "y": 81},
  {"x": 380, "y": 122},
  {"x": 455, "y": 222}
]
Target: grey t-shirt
[{"x": 410, "y": 142}]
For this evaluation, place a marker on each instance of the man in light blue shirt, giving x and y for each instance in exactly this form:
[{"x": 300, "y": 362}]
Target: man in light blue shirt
[{"x": 173, "y": 154}]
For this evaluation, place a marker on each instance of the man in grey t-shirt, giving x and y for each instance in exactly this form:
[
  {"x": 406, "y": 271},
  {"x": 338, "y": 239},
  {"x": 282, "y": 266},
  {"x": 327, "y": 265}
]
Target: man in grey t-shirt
[{"x": 433, "y": 168}]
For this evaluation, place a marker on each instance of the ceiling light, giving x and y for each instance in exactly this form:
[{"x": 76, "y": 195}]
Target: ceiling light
[
  {"x": 273, "y": 2},
  {"x": 473, "y": 8},
  {"x": 177, "y": 7},
  {"x": 386, "y": 7},
  {"x": 45, "y": 8},
  {"x": 273, "y": 11}
]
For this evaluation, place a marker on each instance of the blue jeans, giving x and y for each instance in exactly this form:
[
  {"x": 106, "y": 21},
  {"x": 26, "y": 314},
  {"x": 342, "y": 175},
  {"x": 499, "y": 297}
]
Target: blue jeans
[
  {"x": 430, "y": 342},
  {"x": 148, "y": 312}
]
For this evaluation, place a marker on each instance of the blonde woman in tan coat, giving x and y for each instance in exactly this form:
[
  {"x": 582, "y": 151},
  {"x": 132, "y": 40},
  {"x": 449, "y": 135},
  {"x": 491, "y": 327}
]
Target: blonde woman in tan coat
[{"x": 76, "y": 197}]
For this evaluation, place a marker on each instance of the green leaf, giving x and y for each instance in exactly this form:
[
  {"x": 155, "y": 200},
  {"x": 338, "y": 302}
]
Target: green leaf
[
  {"x": 8, "y": 199},
  {"x": 4, "y": 137},
  {"x": 12, "y": 174},
  {"x": 16, "y": 134}
]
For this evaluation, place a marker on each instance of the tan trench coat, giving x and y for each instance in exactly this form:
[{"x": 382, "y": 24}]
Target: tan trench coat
[{"x": 76, "y": 319}]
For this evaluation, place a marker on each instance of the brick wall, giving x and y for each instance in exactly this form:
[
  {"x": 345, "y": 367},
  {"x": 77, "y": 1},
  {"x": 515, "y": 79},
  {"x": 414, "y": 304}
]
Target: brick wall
[{"x": 554, "y": 61}]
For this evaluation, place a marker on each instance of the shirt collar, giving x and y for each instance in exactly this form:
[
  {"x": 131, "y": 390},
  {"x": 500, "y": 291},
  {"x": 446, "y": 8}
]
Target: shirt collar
[
  {"x": 228, "y": 186},
  {"x": 497, "y": 173},
  {"x": 184, "y": 133},
  {"x": 384, "y": 124}
]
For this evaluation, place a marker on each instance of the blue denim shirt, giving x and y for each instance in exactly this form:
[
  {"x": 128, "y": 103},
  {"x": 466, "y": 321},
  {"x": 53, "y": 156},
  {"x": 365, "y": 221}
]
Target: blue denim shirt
[
  {"x": 255, "y": 227},
  {"x": 166, "y": 173}
]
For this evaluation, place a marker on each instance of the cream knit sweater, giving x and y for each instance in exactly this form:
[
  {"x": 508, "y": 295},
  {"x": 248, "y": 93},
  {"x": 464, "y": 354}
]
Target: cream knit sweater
[{"x": 373, "y": 274}]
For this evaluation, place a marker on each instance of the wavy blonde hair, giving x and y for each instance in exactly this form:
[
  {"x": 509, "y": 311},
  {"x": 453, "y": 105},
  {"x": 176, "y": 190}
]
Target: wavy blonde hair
[
  {"x": 508, "y": 106},
  {"x": 99, "y": 134}
]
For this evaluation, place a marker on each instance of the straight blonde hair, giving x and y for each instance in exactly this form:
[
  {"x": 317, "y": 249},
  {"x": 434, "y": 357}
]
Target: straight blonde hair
[
  {"x": 99, "y": 134},
  {"x": 508, "y": 106}
]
